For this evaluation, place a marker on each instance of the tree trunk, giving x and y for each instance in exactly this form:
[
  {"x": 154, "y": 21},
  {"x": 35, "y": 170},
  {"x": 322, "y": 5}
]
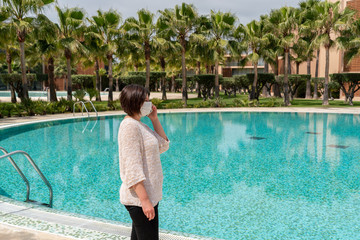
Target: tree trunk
[
  {"x": 8, "y": 61},
  {"x": 286, "y": 79},
  {"x": 23, "y": 94},
  {"x": 51, "y": 74},
  {"x": 198, "y": 63},
  {"x": 289, "y": 64},
  {"x": 43, "y": 64},
  {"x": 98, "y": 88},
  {"x": 147, "y": 60},
  {"x": 217, "y": 90},
  {"x": 69, "y": 80},
  {"x": 316, "y": 74},
  {"x": 117, "y": 85},
  {"x": 172, "y": 83},
  {"x": 183, "y": 72},
  {"x": 67, "y": 54},
  {"x": 308, "y": 82},
  {"x": 297, "y": 68},
  {"x": 111, "y": 81},
  {"x": 253, "y": 94},
  {"x": 163, "y": 79},
  {"x": 266, "y": 67},
  {"x": 326, "y": 83}
]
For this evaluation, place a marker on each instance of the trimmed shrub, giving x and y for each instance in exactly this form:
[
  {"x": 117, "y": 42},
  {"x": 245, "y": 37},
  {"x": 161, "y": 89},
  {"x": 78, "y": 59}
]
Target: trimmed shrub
[
  {"x": 206, "y": 83},
  {"x": 348, "y": 82},
  {"x": 242, "y": 82},
  {"x": 84, "y": 81},
  {"x": 295, "y": 80},
  {"x": 134, "y": 79},
  {"x": 14, "y": 80},
  {"x": 264, "y": 80},
  {"x": 154, "y": 77},
  {"x": 229, "y": 85}
]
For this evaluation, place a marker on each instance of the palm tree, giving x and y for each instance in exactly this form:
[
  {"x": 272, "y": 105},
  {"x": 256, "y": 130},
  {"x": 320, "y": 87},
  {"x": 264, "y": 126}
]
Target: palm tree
[
  {"x": 221, "y": 26},
  {"x": 283, "y": 25},
  {"x": 69, "y": 27},
  {"x": 300, "y": 52},
  {"x": 131, "y": 55},
  {"x": 8, "y": 44},
  {"x": 308, "y": 33},
  {"x": 107, "y": 25},
  {"x": 20, "y": 14},
  {"x": 93, "y": 43},
  {"x": 256, "y": 39},
  {"x": 330, "y": 20},
  {"x": 143, "y": 31},
  {"x": 349, "y": 41},
  {"x": 180, "y": 22},
  {"x": 164, "y": 48},
  {"x": 45, "y": 37}
]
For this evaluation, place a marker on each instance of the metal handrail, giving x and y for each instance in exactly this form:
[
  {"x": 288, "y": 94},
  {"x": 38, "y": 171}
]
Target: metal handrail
[
  {"x": 92, "y": 106},
  {"x": 8, "y": 155},
  {"x": 83, "y": 106},
  {"x": 20, "y": 173}
]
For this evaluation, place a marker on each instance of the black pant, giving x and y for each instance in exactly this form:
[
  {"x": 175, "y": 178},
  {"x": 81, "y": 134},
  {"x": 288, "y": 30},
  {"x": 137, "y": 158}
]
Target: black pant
[{"x": 142, "y": 228}]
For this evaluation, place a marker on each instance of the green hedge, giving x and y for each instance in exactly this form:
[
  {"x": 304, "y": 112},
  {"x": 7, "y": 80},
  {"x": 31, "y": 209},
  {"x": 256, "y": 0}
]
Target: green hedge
[
  {"x": 84, "y": 81},
  {"x": 16, "y": 77},
  {"x": 229, "y": 85},
  {"x": 206, "y": 83},
  {"x": 295, "y": 81},
  {"x": 134, "y": 79},
  {"x": 42, "y": 77},
  {"x": 190, "y": 83},
  {"x": 154, "y": 77}
]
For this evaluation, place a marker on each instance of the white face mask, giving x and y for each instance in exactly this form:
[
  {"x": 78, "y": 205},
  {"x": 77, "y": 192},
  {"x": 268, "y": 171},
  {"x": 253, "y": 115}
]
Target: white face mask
[{"x": 146, "y": 109}]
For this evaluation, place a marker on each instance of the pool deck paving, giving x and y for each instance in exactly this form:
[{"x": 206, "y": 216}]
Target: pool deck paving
[{"x": 19, "y": 221}]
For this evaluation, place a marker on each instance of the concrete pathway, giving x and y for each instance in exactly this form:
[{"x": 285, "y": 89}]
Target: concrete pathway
[{"x": 8, "y": 232}]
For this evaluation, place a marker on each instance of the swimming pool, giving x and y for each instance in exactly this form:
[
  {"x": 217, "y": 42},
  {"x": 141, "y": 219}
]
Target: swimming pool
[
  {"x": 227, "y": 175},
  {"x": 41, "y": 93}
]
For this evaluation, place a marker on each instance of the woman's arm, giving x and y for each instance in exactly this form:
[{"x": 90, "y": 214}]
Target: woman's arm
[
  {"x": 147, "y": 207},
  {"x": 156, "y": 123}
]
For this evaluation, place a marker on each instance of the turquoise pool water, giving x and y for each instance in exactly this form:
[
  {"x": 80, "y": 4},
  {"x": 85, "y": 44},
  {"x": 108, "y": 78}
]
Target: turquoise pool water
[
  {"x": 40, "y": 94},
  {"x": 227, "y": 175}
]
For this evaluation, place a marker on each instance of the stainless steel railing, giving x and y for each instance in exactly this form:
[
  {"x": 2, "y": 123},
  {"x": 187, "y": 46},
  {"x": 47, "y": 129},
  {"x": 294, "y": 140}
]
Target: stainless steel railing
[
  {"x": 84, "y": 106},
  {"x": 31, "y": 161}
]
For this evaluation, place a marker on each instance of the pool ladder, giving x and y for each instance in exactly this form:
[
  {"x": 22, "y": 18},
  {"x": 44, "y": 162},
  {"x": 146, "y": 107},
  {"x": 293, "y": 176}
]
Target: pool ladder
[
  {"x": 83, "y": 106},
  {"x": 9, "y": 156}
]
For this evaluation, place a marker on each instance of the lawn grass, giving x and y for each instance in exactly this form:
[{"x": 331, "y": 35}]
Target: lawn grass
[{"x": 266, "y": 102}]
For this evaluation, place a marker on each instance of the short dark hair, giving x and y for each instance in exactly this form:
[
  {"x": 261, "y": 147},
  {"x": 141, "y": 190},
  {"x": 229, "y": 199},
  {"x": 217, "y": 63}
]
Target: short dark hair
[{"x": 132, "y": 98}]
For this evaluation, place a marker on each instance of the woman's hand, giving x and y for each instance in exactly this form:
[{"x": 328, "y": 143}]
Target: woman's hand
[
  {"x": 148, "y": 209},
  {"x": 153, "y": 114}
]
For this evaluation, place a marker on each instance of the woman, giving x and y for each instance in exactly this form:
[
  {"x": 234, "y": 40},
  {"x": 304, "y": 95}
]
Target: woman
[{"x": 140, "y": 165}]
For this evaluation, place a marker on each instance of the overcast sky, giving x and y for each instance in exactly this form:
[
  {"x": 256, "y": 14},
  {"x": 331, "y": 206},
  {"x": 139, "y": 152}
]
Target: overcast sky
[{"x": 245, "y": 10}]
